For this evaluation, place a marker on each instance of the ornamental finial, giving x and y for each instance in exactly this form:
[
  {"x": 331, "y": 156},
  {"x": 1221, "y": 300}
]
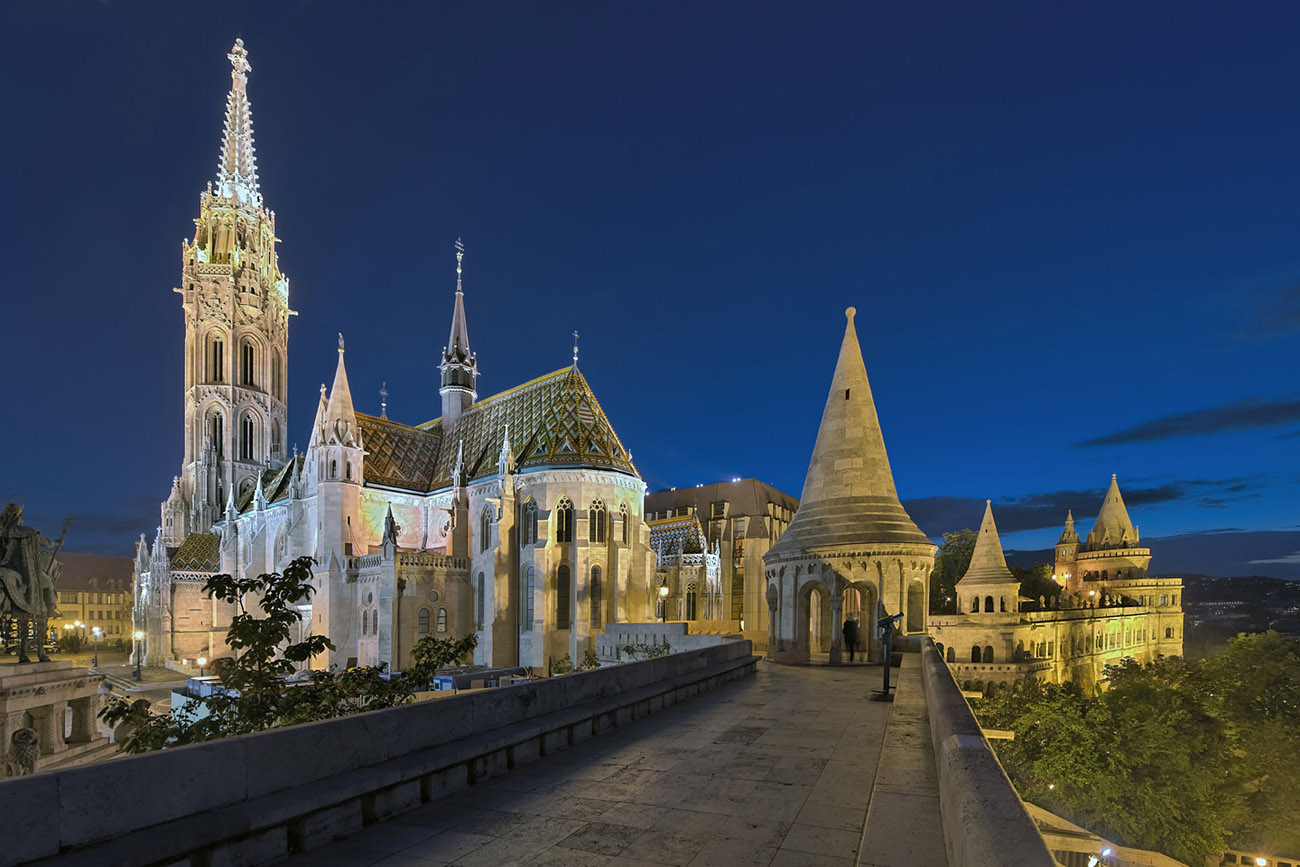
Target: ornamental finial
[
  {"x": 575, "y": 349},
  {"x": 460, "y": 254},
  {"x": 340, "y": 343},
  {"x": 383, "y": 399},
  {"x": 238, "y": 58}
]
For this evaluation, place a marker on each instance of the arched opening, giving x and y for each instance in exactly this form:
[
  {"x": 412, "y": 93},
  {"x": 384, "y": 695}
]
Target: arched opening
[
  {"x": 485, "y": 528},
  {"x": 593, "y": 596},
  {"x": 528, "y": 528},
  {"x": 216, "y": 359},
  {"x": 564, "y": 520},
  {"x": 276, "y": 388},
  {"x": 246, "y": 437},
  {"x": 988, "y": 653},
  {"x": 860, "y": 605},
  {"x": 814, "y": 618},
  {"x": 952, "y": 654},
  {"x": 1169, "y": 632},
  {"x": 275, "y": 438},
  {"x": 916, "y": 607},
  {"x": 217, "y": 431},
  {"x": 563, "y": 587},
  {"x": 596, "y": 522},
  {"x": 988, "y": 604},
  {"x": 530, "y": 581},
  {"x": 625, "y": 519},
  {"x": 347, "y": 470},
  {"x": 975, "y": 605},
  {"x": 691, "y": 601},
  {"x": 334, "y": 469},
  {"x": 442, "y": 619},
  {"x": 422, "y": 621},
  {"x": 1004, "y": 604},
  {"x": 247, "y": 357}
]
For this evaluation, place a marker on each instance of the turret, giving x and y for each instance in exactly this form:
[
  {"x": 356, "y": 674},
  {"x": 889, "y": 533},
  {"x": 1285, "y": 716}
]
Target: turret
[
  {"x": 988, "y": 587},
  {"x": 459, "y": 365},
  {"x": 1067, "y": 549}
]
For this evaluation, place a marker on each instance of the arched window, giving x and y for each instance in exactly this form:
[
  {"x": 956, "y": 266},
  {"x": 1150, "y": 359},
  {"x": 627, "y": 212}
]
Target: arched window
[
  {"x": 952, "y": 654},
  {"x": 442, "y": 619},
  {"x": 334, "y": 469},
  {"x": 988, "y": 654},
  {"x": 216, "y": 359},
  {"x": 347, "y": 470},
  {"x": 217, "y": 431},
  {"x": 275, "y": 437},
  {"x": 1169, "y": 632},
  {"x": 528, "y": 532},
  {"x": 593, "y": 593},
  {"x": 482, "y": 589},
  {"x": 365, "y": 622},
  {"x": 246, "y": 437},
  {"x": 422, "y": 621},
  {"x": 975, "y": 654},
  {"x": 562, "y": 590},
  {"x": 1004, "y": 603},
  {"x": 485, "y": 528},
  {"x": 626, "y": 518},
  {"x": 975, "y": 605},
  {"x": 374, "y": 621},
  {"x": 530, "y": 581},
  {"x": 564, "y": 520},
  {"x": 596, "y": 522},
  {"x": 988, "y": 604},
  {"x": 690, "y": 601},
  {"x": 276, "y": 389},
  {"x": 246, "y": 372}
]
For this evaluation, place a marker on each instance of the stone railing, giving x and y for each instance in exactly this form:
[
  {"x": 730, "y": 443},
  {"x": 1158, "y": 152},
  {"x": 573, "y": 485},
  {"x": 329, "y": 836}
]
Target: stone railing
[
  {"x": 985, "y": 823},
  {"x": 427, "y": 560},
  {"x": 677, "y": 635},
  {"x": 258, "y": 798}
]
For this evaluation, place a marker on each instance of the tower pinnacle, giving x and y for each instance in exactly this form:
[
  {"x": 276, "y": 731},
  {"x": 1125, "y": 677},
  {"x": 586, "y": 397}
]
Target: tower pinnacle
[
  {"x": 459, "y": 365},
  {"x": 237, "y": 167}
]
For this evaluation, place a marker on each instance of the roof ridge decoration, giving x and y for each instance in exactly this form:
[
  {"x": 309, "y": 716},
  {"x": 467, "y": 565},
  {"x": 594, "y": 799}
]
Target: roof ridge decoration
[
  {"x": 237, "y": 167},
  {"x": 988, "y": 563},
  {"x": 849, "y": 495}
]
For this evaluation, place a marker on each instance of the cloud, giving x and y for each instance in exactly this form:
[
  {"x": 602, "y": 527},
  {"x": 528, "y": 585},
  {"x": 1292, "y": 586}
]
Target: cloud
[
  {"x": 1281, "y": 313},
  {"x": 1247, "y": 414},
  {"x": 103, "y": 532},
  {"x": 1289, "y": 559}
]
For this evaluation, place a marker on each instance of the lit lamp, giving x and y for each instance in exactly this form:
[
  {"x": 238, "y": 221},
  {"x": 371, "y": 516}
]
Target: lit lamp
[
  {"x": 138, "y": 637},
  {"x": 663, "y": 599},
  {"x": 94, "y": 663},
  {"x": 202, "y": 661}
]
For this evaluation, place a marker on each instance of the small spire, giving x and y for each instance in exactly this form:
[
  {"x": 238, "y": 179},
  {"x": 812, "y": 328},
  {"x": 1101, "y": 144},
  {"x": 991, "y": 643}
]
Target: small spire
[
  {"x": 383, "y": 399},
  {"x": 340, "y": 342},
  {"x": 237, "y": 168},
  {"x": 460, "y": 254},
  {"x": 575, "y": 349}
]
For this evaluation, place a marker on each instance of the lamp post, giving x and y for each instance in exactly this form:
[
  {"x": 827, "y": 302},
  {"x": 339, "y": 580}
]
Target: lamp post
[
  {"x": 202, "y": 661},
  {"x": 94, "y": 663},
  {"x": 138, "y": 636},
  {"x": 663, "y": 600}
]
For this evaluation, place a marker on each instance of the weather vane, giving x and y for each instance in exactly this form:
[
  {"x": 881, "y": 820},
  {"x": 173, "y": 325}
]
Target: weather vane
[
  {"x": 460, "y": 254},
  {"x": 575, "y": 349},
  {"x": 383, "y": 399}
]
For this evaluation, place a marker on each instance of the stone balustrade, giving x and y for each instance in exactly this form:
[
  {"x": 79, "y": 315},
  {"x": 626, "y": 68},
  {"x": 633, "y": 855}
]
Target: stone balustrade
[{"x": 42, "y": 696}]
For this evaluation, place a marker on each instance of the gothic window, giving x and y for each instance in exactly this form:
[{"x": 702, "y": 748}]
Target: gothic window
[
  {"x": 564, "y": 520},
  {"x": 625, "y": 518},
  {"x": 988, "y": 654},
  {"x": 275, "y": 437},
  {"x": 216, "y": 358},
  {"x": 217, "y": 430},
  {"x": 334, "y": 469},
  {"x": 593, "y": 593},
  {"x": 347, "y": 470},
  {"x": 596, "y": 522},
  {"x": 246, "y": 437},
  {"x": 246, "y": 374},
  {"x": 485, "y": 529},
  {"x": 422, "y": 621},
  {"x": 275, "y": 375},
  {"x": 562, "y": 589},
  {"x": 529, "y": 588},
  {"x": 482, "y": 589},
  {"x": 442, "y": 619},
  {"x": 690, "y": 601},
  {"x": 374, "y": 621},
  {"x": 365, "y": 622},
  {"x": 528, "y": 532},
  {"x": 1004, "y": 604}
]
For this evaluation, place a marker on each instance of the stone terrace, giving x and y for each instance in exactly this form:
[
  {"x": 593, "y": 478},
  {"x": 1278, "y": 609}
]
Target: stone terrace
[{"x": 783, "y": 768}]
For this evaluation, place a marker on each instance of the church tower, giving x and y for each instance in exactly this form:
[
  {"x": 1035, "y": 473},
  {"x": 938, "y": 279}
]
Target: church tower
[
  {"x": 1067, "y": 549},
  {"x": 459, "y": 366},
  {"x": 236, "y": 304}
]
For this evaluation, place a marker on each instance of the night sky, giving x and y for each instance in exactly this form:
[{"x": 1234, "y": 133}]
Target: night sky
[{"x": 1071, "y": 235}]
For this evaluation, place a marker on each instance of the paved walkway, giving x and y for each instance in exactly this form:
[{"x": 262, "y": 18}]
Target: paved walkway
[{"x": 780, "y": 769}]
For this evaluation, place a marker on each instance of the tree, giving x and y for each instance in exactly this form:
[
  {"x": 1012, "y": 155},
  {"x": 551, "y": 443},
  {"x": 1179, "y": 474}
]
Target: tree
[
  {"x": 1036, "y": 581},
  {"x": 950, "y": 563},
  {"x": 261, "y": 685}
]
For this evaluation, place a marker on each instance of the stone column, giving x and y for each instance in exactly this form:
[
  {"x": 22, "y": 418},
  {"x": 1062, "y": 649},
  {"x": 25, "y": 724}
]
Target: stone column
[
  {"x": 837, "y": 628},
  {"x": 48, "y": 722},
  {"x": 83, "y": 720}
]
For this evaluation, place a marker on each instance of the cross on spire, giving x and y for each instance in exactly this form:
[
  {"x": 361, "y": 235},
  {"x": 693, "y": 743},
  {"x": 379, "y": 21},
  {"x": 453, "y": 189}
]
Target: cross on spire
[
  {"x": 575, "y": 349},
  {"x": 383, "y": 399},
  {"x": 460, "y": 254}
]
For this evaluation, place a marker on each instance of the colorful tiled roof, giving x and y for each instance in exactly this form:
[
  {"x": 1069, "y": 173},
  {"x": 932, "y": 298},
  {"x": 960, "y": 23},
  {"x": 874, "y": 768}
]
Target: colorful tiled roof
[
  {"x": 200, "y": 552},
  {"x": 397, "y": 455},
  {"x": 682, "y": 533},
  {"x": 275, "y": 485}
]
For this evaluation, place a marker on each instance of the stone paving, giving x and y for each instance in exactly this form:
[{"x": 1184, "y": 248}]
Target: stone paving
[{"x": 778, "y": 769}]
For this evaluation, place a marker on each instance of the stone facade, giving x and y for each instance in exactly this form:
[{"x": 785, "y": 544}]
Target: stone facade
[
  {"x": 689, "y": 568},
  {"x": 1112, "y": 611},
  {"x": 95, "y": 591},
  {"x": 851, "y": 550},
  {"x": 517, "y": 517},
  {"x": 59, "y": 701}
]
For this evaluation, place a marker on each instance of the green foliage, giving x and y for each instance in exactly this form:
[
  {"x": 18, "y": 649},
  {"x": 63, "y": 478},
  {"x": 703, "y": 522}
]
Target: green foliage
[
  {"x": 262, "y": 686},
  {"x": 1184, "y": 757},
  {"x": 646, "y": 651},
  {"x": 950, "y": 563},
  {"x": 1036, "y": 581},
  {"x": 563, "y": 665}
]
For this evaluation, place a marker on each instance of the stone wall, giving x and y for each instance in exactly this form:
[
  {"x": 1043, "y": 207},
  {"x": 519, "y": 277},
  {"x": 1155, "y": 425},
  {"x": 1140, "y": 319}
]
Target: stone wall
[{"x": 256, "y": 798}]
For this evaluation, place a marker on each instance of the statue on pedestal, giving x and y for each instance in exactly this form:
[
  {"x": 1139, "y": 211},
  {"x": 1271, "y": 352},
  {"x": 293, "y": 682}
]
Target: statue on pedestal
[{"x": 28, "y": 573}]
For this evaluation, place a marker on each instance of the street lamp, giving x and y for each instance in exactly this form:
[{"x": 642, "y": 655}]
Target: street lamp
[
  {"x": 663, "y": 599},
  {"x": 202, "y": 661},
  {"x": 138, "y": 636},
  {"x": 94, "y": 663}
]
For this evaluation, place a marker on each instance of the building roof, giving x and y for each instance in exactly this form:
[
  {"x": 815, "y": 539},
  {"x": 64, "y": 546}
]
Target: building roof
[
  {"x": 849, "y": 496},
  {"x": 398, "y": 455},
  {"x": 275, "y": 485},
  {"x": 671, "y": 535},
  {"x": 93, "y": 572},
  {"x": 1113, "y": 527},
  {"x": 988, "y": 565},
  {"x": 744, "y": 497},
  {"x": 200, "y": 552}
]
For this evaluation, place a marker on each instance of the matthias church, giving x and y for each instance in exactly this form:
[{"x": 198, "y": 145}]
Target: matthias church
[{"x": 517, "y": 517}]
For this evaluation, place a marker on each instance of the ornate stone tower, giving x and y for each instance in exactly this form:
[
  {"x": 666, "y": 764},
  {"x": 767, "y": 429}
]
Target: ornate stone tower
[
  {"x": 1067, "y": 549},
  {"x": 236, "y": 304},
  {"x": 988, "y": 587},
  {"x": 459, "y": 366}
]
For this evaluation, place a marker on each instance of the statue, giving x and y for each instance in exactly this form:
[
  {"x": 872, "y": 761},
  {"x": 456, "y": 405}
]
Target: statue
[
  {"x": 24, "y": 751},
  {"x": 28, "y": 573}
]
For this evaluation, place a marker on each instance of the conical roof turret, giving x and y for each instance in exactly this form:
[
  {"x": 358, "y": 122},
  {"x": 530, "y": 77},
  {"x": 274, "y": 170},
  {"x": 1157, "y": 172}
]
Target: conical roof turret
[
  {"x": 1068, "y": 534},
  {"x": 988, "y": 564},
  {"x": 340, "y": 418},
  {"x": 848, "y": 494},
  {"x": 1113, "y": 527}
]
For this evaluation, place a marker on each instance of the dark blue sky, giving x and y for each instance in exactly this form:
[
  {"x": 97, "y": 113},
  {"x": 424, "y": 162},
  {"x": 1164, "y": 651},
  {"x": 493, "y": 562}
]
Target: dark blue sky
[{"x": 1071, "y": 233}]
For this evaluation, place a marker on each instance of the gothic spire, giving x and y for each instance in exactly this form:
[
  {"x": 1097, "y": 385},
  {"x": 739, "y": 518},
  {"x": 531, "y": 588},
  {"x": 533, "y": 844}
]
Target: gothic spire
[
  {"x": 848, "y": 494},
  {"x": 1068, "y": 534},
  {"x": 340, "y": 417},
  {"x": 988, "y": 565},
  {"x": 237, "y": 167},
  {"x": 459, "y": 365}
]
